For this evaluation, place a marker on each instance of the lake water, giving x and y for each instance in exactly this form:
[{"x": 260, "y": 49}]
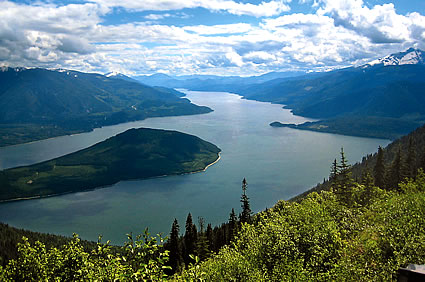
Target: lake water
[{"x": 278, "y": 163}]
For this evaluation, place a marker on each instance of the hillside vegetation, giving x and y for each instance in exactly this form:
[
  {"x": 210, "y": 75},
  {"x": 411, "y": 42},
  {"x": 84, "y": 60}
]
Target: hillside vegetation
[
  {"x": 134, "y": 154},
  {"x": 39, "y": 103},
  {"x": 358, "y": 230}
]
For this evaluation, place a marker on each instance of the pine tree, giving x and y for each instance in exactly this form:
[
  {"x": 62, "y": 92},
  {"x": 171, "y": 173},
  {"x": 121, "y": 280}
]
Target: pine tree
[
  {"x": 411, "y": 167},
  {"x": 174, "y": 247},
  {"x": 344, "y": 171},
  {"x": 345, "y": 182},
  {"x": 210, "y": 237},
  {"x": 367, "y": 181},
  {"x": 201, "y": 246},
  {"x": 245, "y": 216},
  {"x": 190, "y": 237},
  {"x": 233, "y": 226},
  {"x": 397, "y": 172},
  {"x": 379, "y": 169},
  {"x": 333, "y": 177}
]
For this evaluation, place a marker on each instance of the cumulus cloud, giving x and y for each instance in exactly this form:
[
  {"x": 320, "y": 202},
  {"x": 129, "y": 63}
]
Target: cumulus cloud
[
  {"x": 75, "y": 36},
  {"x": 381, "y": 24}
]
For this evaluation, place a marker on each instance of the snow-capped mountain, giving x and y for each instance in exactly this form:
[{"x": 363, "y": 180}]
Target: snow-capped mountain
[
  {"x": 117, "y": 75},
  {"x": 411, "y": 56}
]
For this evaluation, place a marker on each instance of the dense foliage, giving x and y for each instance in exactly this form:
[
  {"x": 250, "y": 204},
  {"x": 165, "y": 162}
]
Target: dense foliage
[
  {"x": 323, "y": 238},
  {"x": 134, "y": 154},
  {"x": 141, "y": 258}
]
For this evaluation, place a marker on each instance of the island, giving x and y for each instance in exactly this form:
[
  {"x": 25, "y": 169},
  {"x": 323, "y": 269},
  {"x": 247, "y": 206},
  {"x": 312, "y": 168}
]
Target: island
[{"x": 134, "y": 154}]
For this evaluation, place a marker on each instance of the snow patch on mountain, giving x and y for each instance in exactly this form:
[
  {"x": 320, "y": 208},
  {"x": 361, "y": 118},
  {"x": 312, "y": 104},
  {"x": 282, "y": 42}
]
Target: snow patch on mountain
[{"x": 412, "y": 56}]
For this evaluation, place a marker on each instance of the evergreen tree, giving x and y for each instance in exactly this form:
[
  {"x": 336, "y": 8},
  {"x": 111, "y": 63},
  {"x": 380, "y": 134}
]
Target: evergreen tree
[
  {"x": 174, "y": 247},
  {"x": 344, "y": 182},
  {"x": 344, "y": 171},
  {"x": 233, "y": 226},
  {"x": 367, "y": 182},
  {"x": 210, "y": 237},
  {"x": 190, "y": 237},
  {"x": 333, "y": 177},
  {"x": 201, "y": 246},
  {"x": 397, "y": 172},
  {"x": 422, "y": 160},
  {"x": 411, "y": 167},
  {"x": 245, "y": 216},
  {"x": 379, "y": 169}
]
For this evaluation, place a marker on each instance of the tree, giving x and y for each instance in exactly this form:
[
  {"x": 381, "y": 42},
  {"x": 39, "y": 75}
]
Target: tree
[
  {"x": 344, "y": 182},
  {"x": 411, "y": 167},
  {"x": 210, "y": 237},
  {"x": 344, "y": 171},
  {"x": 190, "y": 237},
  {"x": 233, "y": 225},
  {"x": 379, "y": 169},
  {"x": 245, "y": 216},
  {"x": 174, "y": 247},
  {"x": 202, "y": 247},
  {"x": 397, "y": 172},
  {"x": 333, "y": 177}
]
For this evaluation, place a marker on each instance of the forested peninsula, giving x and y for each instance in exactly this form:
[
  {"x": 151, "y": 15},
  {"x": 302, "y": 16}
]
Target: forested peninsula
[{"x": 135, "y": 154}]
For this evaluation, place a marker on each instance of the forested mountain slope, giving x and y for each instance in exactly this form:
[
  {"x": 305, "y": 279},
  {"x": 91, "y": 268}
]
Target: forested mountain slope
[
  {"x": 40, "y": 103},
  {"x": 379, "y": 100}
]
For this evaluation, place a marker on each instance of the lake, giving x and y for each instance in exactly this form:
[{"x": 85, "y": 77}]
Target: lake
[{"x": 278, "y": 163}]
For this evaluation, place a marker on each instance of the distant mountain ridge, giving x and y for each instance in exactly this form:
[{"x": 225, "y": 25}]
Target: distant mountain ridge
[
  {"x": 374, "y": 100},
  {"x": 39, "y": 103},
  {"x": 211, "y": 82},
  {"x": 412, "y": 56}
]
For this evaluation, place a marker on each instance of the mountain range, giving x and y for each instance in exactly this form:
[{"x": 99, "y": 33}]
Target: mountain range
[
  {"x": 40, "y": 103},
  {"x": 384, "y": 98}
]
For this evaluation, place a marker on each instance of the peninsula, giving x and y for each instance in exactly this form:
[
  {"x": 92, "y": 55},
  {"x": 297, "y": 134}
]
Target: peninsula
[{"x": 135, "y": 154}]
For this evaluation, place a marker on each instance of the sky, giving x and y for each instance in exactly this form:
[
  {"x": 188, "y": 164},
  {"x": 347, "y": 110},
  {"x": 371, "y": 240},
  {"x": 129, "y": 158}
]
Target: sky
[{"x": 220, "y": 37}]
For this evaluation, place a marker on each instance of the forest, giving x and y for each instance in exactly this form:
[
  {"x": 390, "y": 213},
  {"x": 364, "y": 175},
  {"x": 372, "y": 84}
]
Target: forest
[{"x": 361, "y": 227}]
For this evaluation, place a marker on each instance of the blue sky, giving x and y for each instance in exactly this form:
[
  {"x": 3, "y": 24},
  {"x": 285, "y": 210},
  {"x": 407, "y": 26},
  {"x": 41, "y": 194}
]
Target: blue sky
[{"x": 223, "y": 37}]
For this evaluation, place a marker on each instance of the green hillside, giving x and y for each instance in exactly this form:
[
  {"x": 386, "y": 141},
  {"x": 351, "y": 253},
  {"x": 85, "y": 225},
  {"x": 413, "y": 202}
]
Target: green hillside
[
  {"x": 134, "y": 154},
  {"x": 378, "y": 101},
  {"x": 39, "y": 103}
]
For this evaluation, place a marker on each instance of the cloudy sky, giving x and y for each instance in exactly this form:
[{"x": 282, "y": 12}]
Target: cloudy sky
[{"x": 225, "y": 37}]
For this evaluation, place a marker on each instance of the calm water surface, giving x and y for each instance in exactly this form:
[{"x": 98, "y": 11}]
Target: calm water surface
[{"x": 278, "y": 163}]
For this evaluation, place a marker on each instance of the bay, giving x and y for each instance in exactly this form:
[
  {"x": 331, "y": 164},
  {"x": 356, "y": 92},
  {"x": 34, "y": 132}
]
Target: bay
[{"x": 278, "y": 163}]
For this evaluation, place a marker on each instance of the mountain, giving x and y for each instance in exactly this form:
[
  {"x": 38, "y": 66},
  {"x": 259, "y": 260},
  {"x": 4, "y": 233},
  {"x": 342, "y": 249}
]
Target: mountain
[
  {"x": 211, "y": 82},
  {"x": 412, "y": 56},
  {"x": 384, "y": 101},
  {"x": 39, "y": 103},
  {"x": 117, "y": 75},
  {"x": 134, "y": 154}
]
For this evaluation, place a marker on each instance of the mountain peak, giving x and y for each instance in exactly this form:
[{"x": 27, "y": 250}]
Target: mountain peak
[{"x": 411, "y": 56}]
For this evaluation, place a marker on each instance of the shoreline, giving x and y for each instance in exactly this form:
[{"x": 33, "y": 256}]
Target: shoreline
[{"x": 106, "y": 186}]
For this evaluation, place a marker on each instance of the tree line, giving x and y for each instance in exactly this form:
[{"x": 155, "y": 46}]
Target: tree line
[{"x": 203, "y": 241}]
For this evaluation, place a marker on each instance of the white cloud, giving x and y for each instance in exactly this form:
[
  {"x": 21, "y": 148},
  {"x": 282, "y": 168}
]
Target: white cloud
[
  {"x": 264, "y": 9},
  {"x": 156, "y": 17},
  {"x": 74, "y": 36},
  {"x": 219, "y": 29},
  {"x": 381, "y": 24}
]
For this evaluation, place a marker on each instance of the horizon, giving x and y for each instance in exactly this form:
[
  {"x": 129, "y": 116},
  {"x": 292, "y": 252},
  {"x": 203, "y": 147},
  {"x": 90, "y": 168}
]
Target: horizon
[{"x": 220, "y": 37}]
